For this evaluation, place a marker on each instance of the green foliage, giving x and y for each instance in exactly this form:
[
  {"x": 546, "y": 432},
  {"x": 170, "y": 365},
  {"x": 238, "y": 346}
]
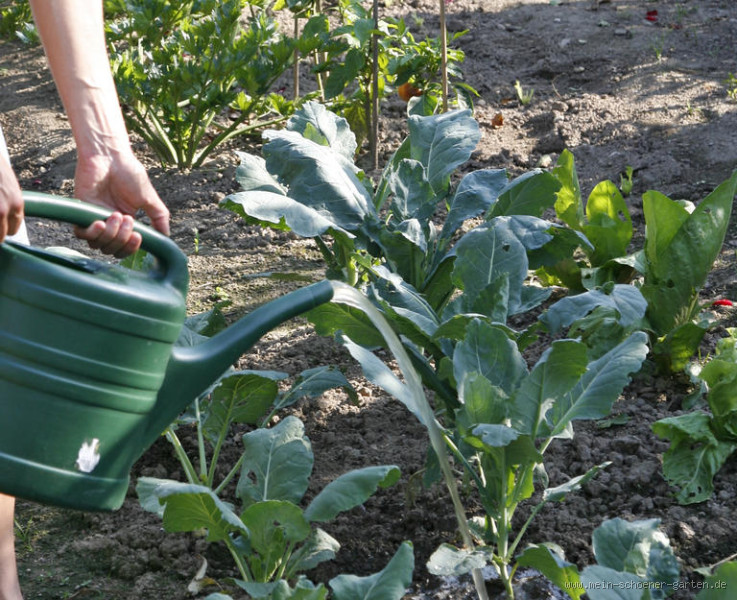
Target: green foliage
[
  {"x": 681, "y": 244},
  {"x": 498, "y": 416},
  {"x": 271, "y": 538},
  {"x": 702, "y": 441},
  {"x": 16, "y": 20},
  {"x": 634, "y": 561},
  {"x": 186, "y": 69}
]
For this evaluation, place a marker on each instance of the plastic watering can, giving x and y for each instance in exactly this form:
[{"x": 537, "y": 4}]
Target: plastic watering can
[{"x": 89, "y": 373}]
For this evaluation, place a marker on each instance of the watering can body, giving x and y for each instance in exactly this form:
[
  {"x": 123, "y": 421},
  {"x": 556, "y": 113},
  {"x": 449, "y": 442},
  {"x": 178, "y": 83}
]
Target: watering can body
[{"x": 90, "y": 373}]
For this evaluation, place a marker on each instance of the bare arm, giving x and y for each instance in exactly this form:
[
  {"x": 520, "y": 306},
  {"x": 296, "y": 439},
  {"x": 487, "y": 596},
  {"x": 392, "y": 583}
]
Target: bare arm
[{"x": 72, "y": 32}]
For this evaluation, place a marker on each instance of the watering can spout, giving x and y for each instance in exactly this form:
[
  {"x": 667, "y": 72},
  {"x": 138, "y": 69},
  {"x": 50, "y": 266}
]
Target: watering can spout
[{"x": 191, "y": 370}]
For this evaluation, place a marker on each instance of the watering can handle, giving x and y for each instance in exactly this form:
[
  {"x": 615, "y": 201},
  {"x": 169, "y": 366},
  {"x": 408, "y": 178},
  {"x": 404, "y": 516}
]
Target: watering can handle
[{"x": 173, "y": 263}]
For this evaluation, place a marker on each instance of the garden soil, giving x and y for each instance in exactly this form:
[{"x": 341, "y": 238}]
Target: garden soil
[{"x": 621, "y": 83}]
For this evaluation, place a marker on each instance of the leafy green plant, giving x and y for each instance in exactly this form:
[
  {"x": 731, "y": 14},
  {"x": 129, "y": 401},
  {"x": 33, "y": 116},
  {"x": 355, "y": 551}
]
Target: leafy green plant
[
  {"x": 271, "y": 538},
  {"x": 180, "y": 66},
  {"x": 420, "y": 63},
  {"x": 16, "y": 20},
  {"x": 701, "y": 441},
  {"x": 449, "y": 301},
  {"x": 682, "y": 241},
  {"x": 524, "y": 96},
  {"x": 634, "y": 561}
]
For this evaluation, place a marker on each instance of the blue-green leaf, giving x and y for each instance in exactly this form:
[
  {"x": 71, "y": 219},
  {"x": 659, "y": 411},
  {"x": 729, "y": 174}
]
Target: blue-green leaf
[
  {"x": 390, "y": 583},
  {"x": 350, "y": 490},
  {"x": 277, "y": 463}
]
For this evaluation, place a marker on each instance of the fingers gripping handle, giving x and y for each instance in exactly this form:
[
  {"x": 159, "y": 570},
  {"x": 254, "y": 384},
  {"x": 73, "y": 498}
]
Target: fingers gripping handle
[{"x": 173, "y": 263}]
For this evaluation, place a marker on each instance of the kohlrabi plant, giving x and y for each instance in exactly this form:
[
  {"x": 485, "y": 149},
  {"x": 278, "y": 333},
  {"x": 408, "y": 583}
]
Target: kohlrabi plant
[
  {"x": 449, "y": 294},
  {"x": 272, "y": 535},
  {"x": 190, "y": 76},
  {"x": 634, "y": 561}
]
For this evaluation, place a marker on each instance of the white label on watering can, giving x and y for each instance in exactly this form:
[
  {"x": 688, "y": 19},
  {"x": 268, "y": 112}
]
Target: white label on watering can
[{"x": 88, "y": 456}]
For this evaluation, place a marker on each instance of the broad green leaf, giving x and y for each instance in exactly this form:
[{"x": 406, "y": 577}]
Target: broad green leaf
[
  {"x": 481, "y": 402},
  {"x": 319, "y": 178},
  {"x": 568, "y": 203},
  {"x": 625, "y": 299},
  {"x": 495, "y": 249},
  {"x": 494, "y": 435},
  {"x": 323, "y": 126},
  {"x": 378, "y": 373},
  {"x": 721, "y": 376},
  {"x": 277, "y": 463},
  {"x": 252, "y": 175},
  {"x": 600, "y": 386},
  {"x": 556, "y": 372},
  {"x": 487, "y": 350},
  {"x": 312, "y": 383},
  {"x": 529, "y": 194},
  {"x": 332, "y": 317},
  {"x": 449, "y": 561},
  {"x": 603, "y": 583},
  {"x": 278, "y": 211},
  {"x": 442, "y": 143},
  {"x": 673, "y": 351},
  {"x": 240, "y": 398},
  {"x": 683, "y": 251},
  {"x": 350, "y": 490},
  {"x": 318, "y": 548},
  {"x": 401, "y": 298},
  {"x": 476, "y": 192},
  {"x": 390, "y": 583},
  {"x": 720, "y": 584},
  {"x": 274, "y": 523},
  {"x": 637, "y": 547},
  {"x": 609, "y": 225},
  {"x": 549, "y": 560},
  {"x": 412, "y": 196},
  {"x": 189, "y": 507},
  {"x": 695, "y": 455},
  {"x": 404, "y": 249}
]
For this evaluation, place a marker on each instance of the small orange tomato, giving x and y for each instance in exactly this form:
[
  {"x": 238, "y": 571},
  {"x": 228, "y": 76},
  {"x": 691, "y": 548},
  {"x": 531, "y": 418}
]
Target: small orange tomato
[{"x": 407, "y": 91}]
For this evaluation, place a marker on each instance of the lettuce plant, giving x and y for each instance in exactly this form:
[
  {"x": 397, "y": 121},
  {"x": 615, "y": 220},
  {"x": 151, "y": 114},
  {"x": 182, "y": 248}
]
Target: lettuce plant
[
  {"x": 682, "y": 241},
  {"x": 701, "y": 441}
]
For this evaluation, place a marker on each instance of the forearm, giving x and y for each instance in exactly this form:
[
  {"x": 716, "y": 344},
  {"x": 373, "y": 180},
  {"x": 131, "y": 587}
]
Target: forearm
[{"x": 72, "y": 33}]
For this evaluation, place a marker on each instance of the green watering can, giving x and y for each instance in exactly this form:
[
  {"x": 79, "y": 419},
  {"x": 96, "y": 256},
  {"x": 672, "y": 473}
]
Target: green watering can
[{"x": 89, "y": 373}]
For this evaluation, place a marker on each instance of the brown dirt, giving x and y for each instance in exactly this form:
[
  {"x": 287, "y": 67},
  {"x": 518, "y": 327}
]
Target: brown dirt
[{"x": 615, "y": 89}]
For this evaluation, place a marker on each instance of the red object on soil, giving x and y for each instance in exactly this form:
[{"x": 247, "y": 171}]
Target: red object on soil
[
  {"x": 722, "y": 303},
  {"x": 652, "y": 16}
]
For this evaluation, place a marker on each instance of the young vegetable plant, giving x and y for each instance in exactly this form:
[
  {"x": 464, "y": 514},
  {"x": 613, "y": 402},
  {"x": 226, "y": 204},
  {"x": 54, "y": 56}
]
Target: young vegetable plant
[
  {"x": 634, "y": 561},
  {"x": 180, "y": 66},
  {"x": 701, "y": 441},
  {"x": 682, "y": 241},
  {"x": 272, "y": 538}
]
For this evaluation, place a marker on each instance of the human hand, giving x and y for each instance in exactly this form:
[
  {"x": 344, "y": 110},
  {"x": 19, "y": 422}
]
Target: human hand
[
  {"x": 119, "y": 182},
  {"x": 11, "y": 201}
]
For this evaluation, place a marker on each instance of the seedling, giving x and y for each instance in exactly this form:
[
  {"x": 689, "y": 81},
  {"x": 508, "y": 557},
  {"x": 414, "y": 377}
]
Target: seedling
[
  {"x": 731, "y": 83},
  {"x": 524, "y": 96}
]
